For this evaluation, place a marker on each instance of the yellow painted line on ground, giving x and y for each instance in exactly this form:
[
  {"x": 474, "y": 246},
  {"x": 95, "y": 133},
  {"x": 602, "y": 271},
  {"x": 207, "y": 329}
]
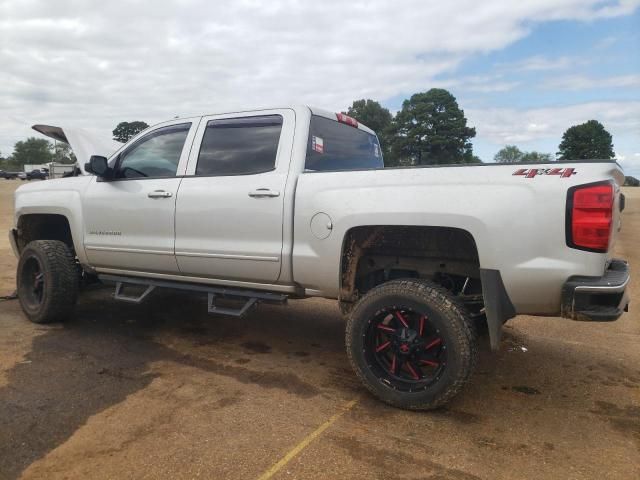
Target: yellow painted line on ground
[{"x": 306, "y": 441}]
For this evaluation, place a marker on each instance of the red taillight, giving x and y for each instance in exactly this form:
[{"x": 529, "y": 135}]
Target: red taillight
[
  {"x": 346, "y": 119},
  {"x": 590, "y": 213}
]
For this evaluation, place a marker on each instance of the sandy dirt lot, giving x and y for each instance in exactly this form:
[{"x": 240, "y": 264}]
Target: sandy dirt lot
[{"x": 163, "y": 390}]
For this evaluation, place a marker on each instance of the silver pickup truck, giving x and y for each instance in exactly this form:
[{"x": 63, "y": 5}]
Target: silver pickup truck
[{"x": 267, "y": 205}]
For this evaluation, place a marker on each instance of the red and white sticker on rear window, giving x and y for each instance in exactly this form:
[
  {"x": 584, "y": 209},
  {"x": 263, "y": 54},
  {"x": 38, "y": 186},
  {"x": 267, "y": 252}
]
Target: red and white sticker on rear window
[
  {"x": 317, "y": 144},
  {"x": 534, "y": 172}
]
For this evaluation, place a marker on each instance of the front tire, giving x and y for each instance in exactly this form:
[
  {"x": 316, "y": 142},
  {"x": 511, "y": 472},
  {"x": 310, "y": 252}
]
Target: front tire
[
  {"x": 47, "y": 281},
  {"x": 411, "y": 343}
]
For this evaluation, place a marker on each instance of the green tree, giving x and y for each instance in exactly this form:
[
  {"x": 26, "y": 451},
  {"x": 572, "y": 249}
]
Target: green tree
[
  {"x": 62, "y": 153},
  {"x": 586, "y": 141},
  {"x": 31, "y": 150},
  {"x": 536, "y": 157},
  {"x": 508, "y": 154},
  {"x": 125, "y": 130},
  {"x": 512, "y": 154},
  {"x": 432, "y": 129},
  {"x": 378, "y": 119}
]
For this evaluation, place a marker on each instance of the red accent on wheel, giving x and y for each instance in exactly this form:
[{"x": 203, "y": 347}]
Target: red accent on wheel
[
  {"x": 409, "y": 357},
  {"x": 431, "y": 363},
  {"x": 437, "y": 341},
  {"x": 403, "y": 320},
  {"x": 386, "y": 329},
  {"x": 414, "y": 374}
]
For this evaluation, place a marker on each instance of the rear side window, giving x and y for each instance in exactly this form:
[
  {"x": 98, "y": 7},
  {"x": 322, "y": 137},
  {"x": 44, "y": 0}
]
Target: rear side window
[
  {"x": 239, "y": 146},
  {"x": 336, "y": 146}
]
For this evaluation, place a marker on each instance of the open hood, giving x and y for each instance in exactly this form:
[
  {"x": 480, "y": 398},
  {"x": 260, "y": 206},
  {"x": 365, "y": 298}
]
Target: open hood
[{"x": 83, "y": 143}]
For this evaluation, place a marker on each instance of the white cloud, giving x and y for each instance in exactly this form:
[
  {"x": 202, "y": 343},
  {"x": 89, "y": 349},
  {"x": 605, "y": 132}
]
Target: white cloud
[
  {"x": 478, "y": 83},
  {"x": 583, "y": 82},
  {"x": 98, "y": 64},
  {"x": 507, "y": 126},
  {"x": 630, "y": 164},
  {"x": 541, "y": 63}
]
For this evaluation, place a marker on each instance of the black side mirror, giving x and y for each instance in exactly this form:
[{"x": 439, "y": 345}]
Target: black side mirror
[{"x": 98, "y": 166}]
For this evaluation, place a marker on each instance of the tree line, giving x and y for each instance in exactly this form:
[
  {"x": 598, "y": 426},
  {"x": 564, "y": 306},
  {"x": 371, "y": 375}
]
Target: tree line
[
  {"x": 38, "y": 151},
  {"x": 431, "y": 129}
]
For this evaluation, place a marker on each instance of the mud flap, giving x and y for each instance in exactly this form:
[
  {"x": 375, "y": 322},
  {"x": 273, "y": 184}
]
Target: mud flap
[{"x": 497, "y": 305}]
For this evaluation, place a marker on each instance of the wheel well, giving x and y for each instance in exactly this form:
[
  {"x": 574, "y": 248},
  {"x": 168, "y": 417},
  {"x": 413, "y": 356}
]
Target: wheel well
[
  {"x": 43, "y": 227},
  {"x": 372, "y": 255}
]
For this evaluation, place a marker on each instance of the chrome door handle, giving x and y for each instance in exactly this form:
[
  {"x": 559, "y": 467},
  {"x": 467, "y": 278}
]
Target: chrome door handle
[
  {"x": 264, "y": 192},
  {"x": 159, "y": 194}
]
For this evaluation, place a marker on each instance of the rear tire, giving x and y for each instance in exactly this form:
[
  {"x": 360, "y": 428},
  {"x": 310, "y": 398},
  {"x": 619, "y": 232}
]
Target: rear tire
[
  {"x": 47, "y": 281},
  {"x": 411, "y": 343}
]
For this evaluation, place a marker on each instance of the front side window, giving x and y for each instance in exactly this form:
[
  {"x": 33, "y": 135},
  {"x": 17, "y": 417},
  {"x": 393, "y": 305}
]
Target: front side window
[
  {"x": 240, "y": 146},
  {"x": 335, "y": 146},
  {"x": 154, "y": 155}
]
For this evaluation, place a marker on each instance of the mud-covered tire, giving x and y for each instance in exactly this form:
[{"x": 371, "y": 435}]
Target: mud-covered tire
[
  {"x": 446, "y": 316},
  {"x": 47, "y": 281}
]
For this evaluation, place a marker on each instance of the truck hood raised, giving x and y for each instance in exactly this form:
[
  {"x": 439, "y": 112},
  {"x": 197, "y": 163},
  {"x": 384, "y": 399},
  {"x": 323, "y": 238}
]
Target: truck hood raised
[{"x": 83, "y": 142}]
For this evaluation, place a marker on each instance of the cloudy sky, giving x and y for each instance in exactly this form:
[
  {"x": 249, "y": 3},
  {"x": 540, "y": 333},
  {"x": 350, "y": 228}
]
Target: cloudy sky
[{"x": 523, "y": 70}]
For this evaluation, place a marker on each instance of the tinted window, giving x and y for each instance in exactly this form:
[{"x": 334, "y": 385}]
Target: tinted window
[
  {"x": 154, "y": 155},
  {"x": 336, "y": 146},
  {"x": 239, "y": 146}
]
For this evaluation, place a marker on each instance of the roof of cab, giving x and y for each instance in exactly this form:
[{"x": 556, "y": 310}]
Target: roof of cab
[
  {"x": 314, "y": 111},
  {"x": 332, "y": 115}
]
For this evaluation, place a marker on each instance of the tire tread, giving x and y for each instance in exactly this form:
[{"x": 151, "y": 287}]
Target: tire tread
[
  {"x": 463, "y": 327},
  {"x": 62, "y": 276}
]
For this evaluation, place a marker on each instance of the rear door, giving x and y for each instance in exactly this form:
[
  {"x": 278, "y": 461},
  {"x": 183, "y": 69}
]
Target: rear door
[{"x": 229, "y": 210}]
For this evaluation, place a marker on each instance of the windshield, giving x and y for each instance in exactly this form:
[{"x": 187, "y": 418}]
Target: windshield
[{"x": 336, "y": 146}]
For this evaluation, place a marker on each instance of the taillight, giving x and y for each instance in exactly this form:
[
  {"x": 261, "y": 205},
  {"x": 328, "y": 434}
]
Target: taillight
[
  {"x": 589, "y": 216},
  {"x": 346, "y": 119}
]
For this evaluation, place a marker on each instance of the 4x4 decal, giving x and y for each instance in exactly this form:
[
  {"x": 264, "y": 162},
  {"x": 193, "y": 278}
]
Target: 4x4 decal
[{"x": 534, "y": 172}]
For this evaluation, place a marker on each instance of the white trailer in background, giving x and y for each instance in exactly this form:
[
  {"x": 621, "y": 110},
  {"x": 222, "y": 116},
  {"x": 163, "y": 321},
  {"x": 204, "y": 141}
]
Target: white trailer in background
[
  {"x": 53, "y": 169},
  {"x": 57, "y": 170},
  {"x": 29, "y": 167}
]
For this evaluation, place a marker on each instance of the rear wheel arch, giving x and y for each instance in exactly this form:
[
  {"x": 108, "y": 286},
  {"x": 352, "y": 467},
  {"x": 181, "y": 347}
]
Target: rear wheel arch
[{"x": 410, "y": 251}]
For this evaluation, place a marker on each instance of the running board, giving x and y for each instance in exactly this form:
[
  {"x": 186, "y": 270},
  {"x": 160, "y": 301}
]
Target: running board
[{"x": 251, "y": 298}]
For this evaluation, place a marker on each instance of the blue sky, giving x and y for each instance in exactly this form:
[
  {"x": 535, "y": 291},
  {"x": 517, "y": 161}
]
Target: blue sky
[
  {"x": 557, "y": 64},
  {"x": 522, "y": 71}
]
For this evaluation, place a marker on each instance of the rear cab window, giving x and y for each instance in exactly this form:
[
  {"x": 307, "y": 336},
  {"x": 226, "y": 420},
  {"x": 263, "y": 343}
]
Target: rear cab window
[{"x": 336, "y": 146}]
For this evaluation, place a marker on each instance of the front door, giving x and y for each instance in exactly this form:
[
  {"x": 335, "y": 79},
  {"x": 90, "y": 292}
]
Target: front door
[
  {"x": 129, "y": 218},
  {"x": 230, "y": 204}
]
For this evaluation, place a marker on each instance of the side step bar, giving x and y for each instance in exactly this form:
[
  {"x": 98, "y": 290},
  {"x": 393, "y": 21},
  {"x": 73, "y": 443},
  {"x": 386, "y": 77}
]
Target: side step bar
[{"x": 251, "y": 298}]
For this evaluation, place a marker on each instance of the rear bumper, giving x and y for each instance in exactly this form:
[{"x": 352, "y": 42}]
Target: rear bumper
[{"x": 598, "y": 299}]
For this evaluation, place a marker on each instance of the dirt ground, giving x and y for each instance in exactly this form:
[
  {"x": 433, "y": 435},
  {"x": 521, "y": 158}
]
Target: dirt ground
[{"x": 163, "y": 390}]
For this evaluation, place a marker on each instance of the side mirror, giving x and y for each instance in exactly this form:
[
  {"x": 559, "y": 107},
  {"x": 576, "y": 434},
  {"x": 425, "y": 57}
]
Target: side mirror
[{"x": 98, "y": 166}]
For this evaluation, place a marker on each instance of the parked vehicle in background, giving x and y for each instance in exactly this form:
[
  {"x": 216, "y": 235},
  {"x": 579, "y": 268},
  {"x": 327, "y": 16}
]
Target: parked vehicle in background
[
  {"x": 8, "y": 175},
  {"x": 32, "y": 175},
  {"x": 37, "y": 175},
  {"x": 294, "y": 202}
]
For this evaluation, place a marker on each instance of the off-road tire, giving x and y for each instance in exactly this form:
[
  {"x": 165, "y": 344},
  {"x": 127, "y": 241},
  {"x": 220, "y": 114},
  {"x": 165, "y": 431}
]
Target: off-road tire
[
  {"x": 455, "y": 327},
  {"x": 56, "y": 299}
]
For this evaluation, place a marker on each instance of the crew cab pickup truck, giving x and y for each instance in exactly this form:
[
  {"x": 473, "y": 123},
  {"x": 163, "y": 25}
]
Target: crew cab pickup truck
[{"x": 294, "y": 202}]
